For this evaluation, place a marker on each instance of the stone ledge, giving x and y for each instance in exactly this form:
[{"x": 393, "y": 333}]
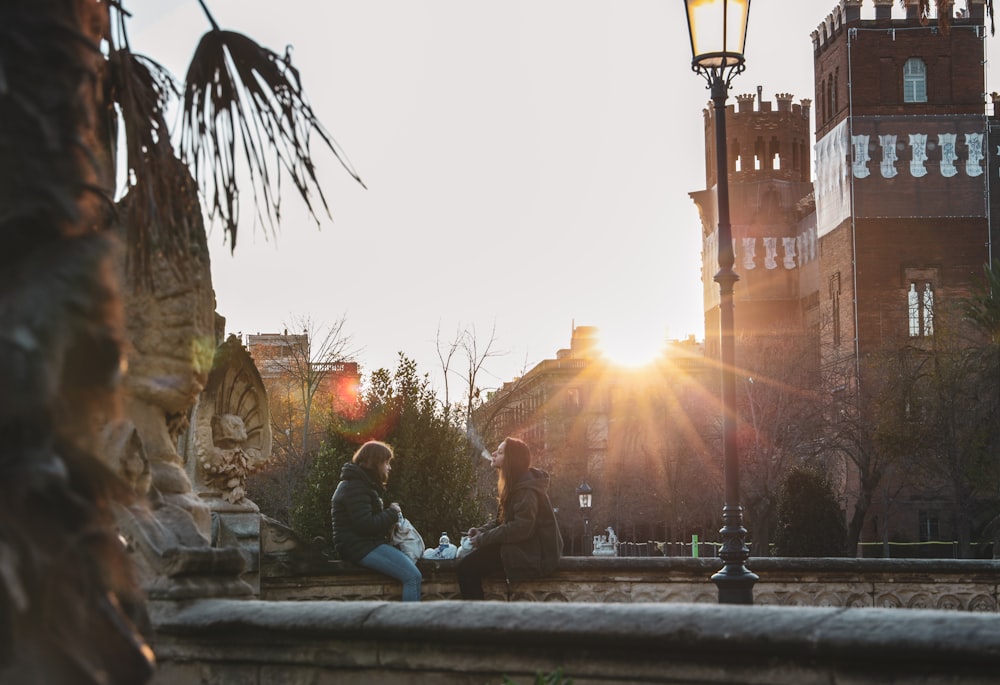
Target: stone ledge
[
  {"x": 292, "y": 570},
  {"x": 463, "y": 642}
]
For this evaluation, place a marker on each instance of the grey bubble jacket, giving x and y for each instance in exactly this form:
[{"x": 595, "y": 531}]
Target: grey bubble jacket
[{"x": 360, "y": 520}]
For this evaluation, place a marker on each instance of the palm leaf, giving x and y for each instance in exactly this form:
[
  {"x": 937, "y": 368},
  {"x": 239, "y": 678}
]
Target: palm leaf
[
  {"x": 241, "y": 95},
  {"x": 160, "y": 212}
]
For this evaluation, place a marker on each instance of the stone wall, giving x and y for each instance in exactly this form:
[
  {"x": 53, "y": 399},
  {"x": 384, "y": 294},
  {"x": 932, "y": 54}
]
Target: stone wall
[
  {"x": 250, "y": 642},
  {"x": 291, "y": 569},
  {"x": 964, "y": 585},
  {"x": 601, "y": 620}
]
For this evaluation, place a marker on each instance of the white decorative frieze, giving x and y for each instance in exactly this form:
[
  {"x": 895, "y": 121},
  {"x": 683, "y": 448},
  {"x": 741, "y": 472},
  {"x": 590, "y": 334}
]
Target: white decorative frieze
[
  {"x": 770, "y": 253},
  {"x": 795, "y": 251},
  {"x": 948, "y": 155},
  {"x": 889, "y": 157},
  {"x": 789, "y": 245},
  {"x": 749, "y": 254},
  {"x": 974, "y": 163},
  {"x": 861, "y": 156},
  {"x": 947, "y": 143},
  {"x": 918, "y": 144}
]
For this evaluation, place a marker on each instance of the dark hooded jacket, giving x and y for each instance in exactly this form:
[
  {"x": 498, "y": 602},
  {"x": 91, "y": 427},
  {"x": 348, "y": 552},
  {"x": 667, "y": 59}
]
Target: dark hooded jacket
[
  {"x": 528, "y": 535},
  {"x": 361, "y": 522}
]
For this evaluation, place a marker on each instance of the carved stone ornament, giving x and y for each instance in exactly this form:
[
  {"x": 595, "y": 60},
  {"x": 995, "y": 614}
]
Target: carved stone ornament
[{"x": 231, "y": 430}]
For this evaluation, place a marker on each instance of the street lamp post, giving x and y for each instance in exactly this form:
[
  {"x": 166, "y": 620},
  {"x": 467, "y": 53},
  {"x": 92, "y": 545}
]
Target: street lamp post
[
  {"x": 718, "y": 33},
  {"x": 586, "y": 494}
]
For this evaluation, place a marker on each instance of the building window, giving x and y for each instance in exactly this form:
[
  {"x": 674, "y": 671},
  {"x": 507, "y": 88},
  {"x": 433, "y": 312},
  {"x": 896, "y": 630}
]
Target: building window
[
  {"x": 930, "y": 528},
  {"x": 920, "y": 301},
  {"x": 914, "y": 80}
]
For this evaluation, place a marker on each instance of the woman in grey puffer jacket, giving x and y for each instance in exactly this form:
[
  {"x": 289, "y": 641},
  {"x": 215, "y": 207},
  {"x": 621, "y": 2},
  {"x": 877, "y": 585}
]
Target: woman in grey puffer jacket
[{"x": 362, "y": 523}]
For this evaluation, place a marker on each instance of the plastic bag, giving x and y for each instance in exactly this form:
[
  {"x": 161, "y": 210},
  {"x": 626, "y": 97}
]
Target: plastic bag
[
  {"x": 406, "y": 539},
  {"x": 444, "y": 550},
  {"x": 464, "y": 548}
]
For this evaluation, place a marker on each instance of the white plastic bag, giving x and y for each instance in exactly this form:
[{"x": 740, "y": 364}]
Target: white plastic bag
[
  {"x": 465, "y": 547},
  {"x": 406, "y": 539},
  {"x": 444, "y": 550}
]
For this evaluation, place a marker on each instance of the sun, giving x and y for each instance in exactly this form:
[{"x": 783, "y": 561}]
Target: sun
[{"x": 631, "y": 348}]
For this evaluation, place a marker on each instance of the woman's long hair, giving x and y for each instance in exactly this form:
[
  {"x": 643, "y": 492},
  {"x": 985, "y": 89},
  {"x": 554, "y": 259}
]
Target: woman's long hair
[
  {"x": 516, "y": 462},
  {"x": 370, "y": 456}
]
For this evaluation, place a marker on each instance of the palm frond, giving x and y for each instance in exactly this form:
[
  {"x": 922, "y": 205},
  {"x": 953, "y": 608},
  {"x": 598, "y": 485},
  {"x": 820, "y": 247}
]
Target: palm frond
[
  {"x": 241, "y": 95},
  {"x": 160, "y": 211}
]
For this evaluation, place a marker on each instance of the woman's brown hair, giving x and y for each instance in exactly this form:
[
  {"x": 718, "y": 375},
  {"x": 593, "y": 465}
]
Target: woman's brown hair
[
  {"x": 516, "y": 462},
  {"x": 371, "y": 455}
]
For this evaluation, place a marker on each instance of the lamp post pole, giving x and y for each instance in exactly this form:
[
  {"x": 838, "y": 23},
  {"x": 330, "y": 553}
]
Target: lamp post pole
[
  {"x": 585, "y": 494},
  {"x": 725, "y": 22}
]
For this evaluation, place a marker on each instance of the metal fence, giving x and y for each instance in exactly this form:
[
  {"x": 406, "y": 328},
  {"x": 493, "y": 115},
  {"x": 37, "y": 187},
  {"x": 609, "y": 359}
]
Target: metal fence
[
  {"x": 934, "y": 549},
  {"x": 940, "y": 549}
]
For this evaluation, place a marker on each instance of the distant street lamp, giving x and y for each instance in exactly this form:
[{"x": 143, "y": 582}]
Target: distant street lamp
[
  {"x": 718, "y": 30},
  {"x": 586, "y": 494}
]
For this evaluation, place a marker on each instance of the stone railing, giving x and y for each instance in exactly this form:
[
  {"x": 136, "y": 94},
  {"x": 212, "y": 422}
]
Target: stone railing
[
  {"x": 599, "y": 620},
  {"x": 230, "y": 642},
  {"x": 291, "y": 570}
]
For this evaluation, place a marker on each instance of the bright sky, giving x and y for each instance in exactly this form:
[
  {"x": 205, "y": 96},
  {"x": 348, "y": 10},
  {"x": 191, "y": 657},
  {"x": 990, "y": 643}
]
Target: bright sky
[{"x": 528, "y": 165}]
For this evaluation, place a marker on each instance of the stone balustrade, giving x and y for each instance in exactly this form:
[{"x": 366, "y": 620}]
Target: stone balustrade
[
  {"x": 607, "y": 621},
  {"x": 290, "y": 570}
]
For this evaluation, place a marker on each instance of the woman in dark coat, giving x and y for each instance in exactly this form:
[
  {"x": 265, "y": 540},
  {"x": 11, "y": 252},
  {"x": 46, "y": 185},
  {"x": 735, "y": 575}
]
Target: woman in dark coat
[
  {"x": 362, "y": 523},
  {"x": 524, "y": 540}
]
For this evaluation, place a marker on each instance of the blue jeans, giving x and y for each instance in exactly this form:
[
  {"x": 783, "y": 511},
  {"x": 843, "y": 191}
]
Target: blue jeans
[{"x": 393, "y": 563}]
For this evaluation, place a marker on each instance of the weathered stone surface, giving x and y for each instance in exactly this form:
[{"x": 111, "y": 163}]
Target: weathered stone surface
[
  {"x": 293, "y": 570},
  {"x": 480, "y": 642},
  {"x": 230, "y": 434}
]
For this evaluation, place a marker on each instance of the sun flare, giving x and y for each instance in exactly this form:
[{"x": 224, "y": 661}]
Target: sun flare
[{"x": 631, "y": 348}]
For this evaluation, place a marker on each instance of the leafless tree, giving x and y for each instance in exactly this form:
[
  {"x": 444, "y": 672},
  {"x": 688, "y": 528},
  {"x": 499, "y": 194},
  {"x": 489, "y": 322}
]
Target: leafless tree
[
  {"x": 779, "y": 424},
  {"x": 296, "y": 376},
  {"x": 307, "y": 362}
]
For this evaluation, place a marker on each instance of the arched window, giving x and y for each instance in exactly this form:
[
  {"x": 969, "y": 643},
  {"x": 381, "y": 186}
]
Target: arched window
[{"x": 914, "y": 80}]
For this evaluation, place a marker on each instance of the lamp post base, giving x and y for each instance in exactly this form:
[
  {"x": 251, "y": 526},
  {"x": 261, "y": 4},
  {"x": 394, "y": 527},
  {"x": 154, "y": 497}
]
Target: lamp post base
[{"x": 735, "y": 583}]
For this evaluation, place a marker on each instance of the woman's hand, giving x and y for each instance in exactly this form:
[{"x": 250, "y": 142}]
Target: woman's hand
[{"x": 395, "y": 507}]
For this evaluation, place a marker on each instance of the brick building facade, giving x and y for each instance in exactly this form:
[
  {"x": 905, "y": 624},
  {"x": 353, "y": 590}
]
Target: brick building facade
[
  {"x": 895, "y": 229},
  {"x": 283, "y": 360}
]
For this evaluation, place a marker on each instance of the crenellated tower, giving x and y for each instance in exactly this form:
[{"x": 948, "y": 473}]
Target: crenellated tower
[
  {"x": 878, "y": 254},
  {"x": 769, "y": 165},
  {"x": 901, "y": 174}
]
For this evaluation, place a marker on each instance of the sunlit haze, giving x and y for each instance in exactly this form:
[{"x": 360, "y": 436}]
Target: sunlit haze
[
  {"x": 629, "y": 347},
  {"x": 527, "y": 165}
]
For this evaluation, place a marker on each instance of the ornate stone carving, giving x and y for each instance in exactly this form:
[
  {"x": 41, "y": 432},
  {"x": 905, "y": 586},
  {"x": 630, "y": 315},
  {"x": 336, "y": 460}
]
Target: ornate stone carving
[
  {"x": 231, "y": 434},
  {"x": 172, "y": 329}
]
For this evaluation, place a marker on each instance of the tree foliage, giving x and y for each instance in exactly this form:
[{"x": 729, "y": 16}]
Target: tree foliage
[
  {"x": 432, "y": 476},
  {"x": 810, "y": 521},
  {"x": 779, "y": 423},
  {"x": 297, "y": 375}
]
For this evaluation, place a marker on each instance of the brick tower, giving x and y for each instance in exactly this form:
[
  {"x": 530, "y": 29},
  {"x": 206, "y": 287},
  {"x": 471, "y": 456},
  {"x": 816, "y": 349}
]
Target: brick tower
[
  {"x": 769, "y": 167},
  {"x": 878, "y": 253},
  {"x": 901, "y": 175},
  {"x": 902, "y": 222}
]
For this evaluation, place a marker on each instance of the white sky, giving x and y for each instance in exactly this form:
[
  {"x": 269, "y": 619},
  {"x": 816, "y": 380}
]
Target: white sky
[{"x": 528, "y": 165}]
